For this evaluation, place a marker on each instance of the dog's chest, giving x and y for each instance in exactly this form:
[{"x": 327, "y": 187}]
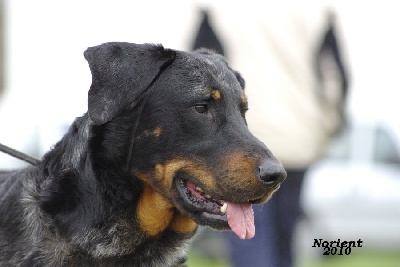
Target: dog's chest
[{"x": 168, "y": 249}]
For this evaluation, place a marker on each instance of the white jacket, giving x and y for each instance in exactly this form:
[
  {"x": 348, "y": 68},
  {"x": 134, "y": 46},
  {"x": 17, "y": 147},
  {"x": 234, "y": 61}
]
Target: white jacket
[{"x": 274, "y": 46}]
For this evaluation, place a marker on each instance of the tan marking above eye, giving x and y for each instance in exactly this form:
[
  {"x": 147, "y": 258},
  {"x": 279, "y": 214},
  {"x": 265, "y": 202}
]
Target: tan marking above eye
[
  {"x": 216, "y": 94},
  {"x": 243, "y": 99},
  {"x": 157, "y": 131}
]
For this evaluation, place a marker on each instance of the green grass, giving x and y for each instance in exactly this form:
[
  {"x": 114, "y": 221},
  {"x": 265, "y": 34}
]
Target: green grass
[
  {"x": 197, "y": 260},
  {"x": 355, "y": 259}
]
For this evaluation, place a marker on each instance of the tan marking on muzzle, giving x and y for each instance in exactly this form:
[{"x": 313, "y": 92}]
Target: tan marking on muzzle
[
  {"x": 165, "y": 173},
  {"x": 240, "y": 171},
  {"x": 241, "y": 177},
  {"x": 216, "y": 94}
]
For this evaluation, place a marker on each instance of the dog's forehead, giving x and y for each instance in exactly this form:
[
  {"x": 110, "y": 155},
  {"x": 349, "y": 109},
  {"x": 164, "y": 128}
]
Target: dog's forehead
[{"x": 212, "y": 70}]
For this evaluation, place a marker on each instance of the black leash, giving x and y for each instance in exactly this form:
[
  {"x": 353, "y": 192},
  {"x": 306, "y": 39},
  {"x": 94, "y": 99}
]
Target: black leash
[{"x": 19, "y": 155}]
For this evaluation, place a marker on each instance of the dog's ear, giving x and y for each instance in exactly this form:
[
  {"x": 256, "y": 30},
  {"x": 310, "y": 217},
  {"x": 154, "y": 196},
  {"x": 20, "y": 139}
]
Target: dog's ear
[
  {"x": 240, "y": 79},
  {"x": 121, "y": 73}
]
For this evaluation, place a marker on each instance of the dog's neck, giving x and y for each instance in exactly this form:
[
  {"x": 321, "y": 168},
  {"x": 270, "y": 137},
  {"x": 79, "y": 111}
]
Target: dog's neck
[
  {"x": 68, "y": 174},
  {"x": 75, "y": 157}
]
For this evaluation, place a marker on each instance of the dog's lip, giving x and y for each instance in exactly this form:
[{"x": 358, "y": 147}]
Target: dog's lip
[
  {"x": 257, "y": 201},
  {"x": 219, "y": 214},
  {"x": 199, "y": 202}
]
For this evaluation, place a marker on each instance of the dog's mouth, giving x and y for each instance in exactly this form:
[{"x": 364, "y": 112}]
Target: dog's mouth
[{"x": 217, "y": 213}]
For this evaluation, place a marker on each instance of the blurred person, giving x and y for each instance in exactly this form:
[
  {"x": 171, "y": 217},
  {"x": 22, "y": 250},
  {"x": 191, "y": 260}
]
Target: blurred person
[{"x": 297, "y": 84}]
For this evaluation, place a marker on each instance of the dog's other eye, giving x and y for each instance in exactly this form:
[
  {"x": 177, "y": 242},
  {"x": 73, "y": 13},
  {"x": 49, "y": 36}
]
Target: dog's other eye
[
  {"x": 201, "y": 108},
  {"x": 244, "y": 109}
]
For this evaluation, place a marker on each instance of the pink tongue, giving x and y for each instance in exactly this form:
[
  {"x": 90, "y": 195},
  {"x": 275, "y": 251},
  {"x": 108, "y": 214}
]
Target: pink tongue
[{"x": 241, "y": 219}]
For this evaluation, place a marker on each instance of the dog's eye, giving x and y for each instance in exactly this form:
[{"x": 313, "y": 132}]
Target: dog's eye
[
  {"x": 244, "y": 108},
  {"x": 201, "y": 108}
]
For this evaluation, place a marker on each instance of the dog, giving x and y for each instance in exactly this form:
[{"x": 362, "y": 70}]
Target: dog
[{"x": 163, "y": 148}]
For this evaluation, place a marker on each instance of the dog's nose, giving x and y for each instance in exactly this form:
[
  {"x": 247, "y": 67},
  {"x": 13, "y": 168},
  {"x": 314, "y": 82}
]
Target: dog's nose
[{"x": 271, "y": 173}]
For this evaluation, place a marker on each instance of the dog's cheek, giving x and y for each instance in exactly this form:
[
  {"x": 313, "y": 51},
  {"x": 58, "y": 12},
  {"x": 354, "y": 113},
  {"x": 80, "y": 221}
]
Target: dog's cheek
[
  {"x": 165, "y": 173},
  {"x": 154, "y": 212},
  {"x": 183, "y": 224}
]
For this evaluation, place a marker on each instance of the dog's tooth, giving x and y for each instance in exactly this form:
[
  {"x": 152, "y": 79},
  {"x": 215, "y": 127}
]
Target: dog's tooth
[
  {"x": 224, "y": 207},
  {"x": 199, "y": 189},
  {"x": 207, "y": 196}
]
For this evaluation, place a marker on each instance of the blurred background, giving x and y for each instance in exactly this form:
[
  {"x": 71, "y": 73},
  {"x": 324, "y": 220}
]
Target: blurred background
[{"x": 351, "y": 192}]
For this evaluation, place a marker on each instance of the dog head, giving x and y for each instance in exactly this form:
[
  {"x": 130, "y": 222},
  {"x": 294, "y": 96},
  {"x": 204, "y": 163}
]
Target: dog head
[{"x": 190, "y": 145}]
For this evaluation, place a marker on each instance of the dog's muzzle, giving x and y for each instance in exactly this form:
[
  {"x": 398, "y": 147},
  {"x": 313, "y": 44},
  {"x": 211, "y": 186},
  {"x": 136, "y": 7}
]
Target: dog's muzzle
[{"x": 271, "y": 174}]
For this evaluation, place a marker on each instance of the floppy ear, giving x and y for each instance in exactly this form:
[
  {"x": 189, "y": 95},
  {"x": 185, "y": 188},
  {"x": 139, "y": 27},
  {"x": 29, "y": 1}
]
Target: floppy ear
[
  {"x": 240, "y": 79},
  {"x": 121, "y": 73}
]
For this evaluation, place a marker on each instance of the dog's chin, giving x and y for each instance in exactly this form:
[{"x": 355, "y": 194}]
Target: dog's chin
[{"x": 203, "y": 209}]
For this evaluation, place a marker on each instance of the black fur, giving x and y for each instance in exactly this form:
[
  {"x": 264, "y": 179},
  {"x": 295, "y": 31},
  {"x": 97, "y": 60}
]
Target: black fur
[{"x": 79, "y": 207}]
